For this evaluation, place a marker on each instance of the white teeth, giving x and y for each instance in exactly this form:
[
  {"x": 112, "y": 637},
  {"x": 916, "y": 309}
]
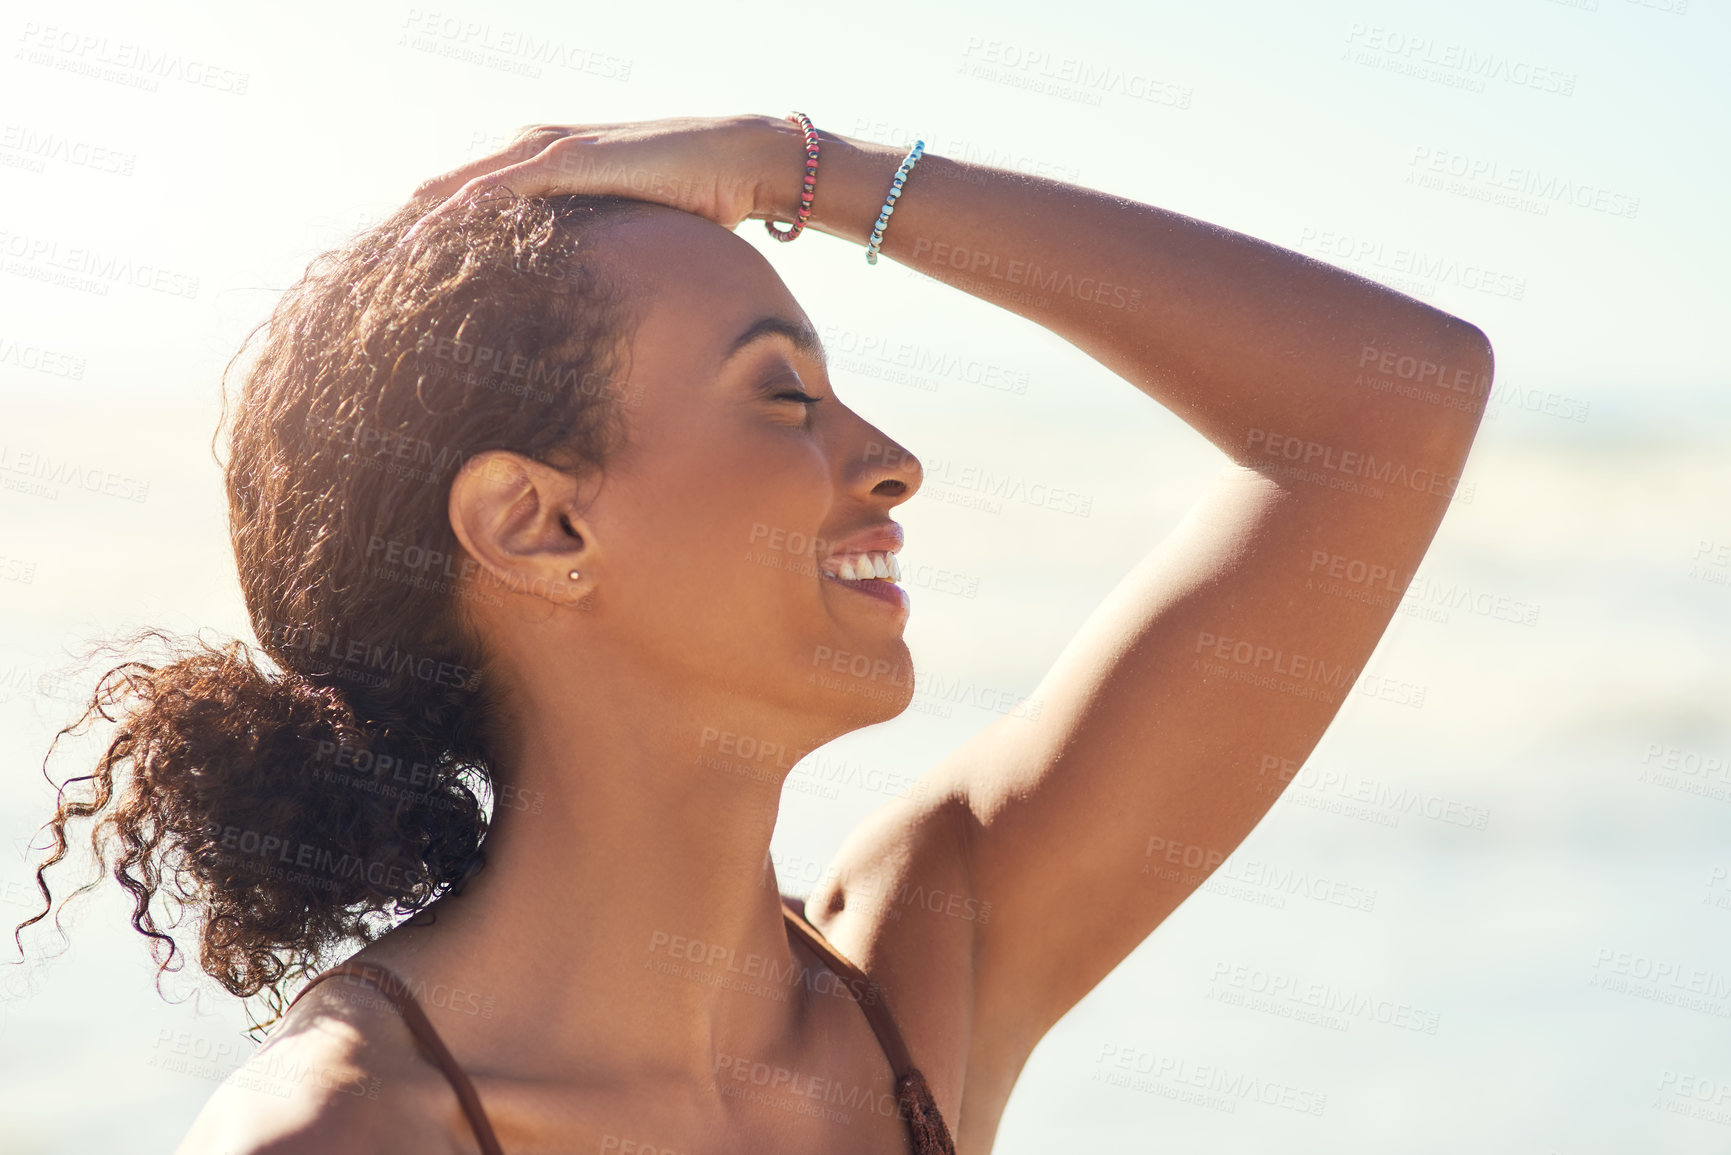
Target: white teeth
[{"x": 880, "y": 565}]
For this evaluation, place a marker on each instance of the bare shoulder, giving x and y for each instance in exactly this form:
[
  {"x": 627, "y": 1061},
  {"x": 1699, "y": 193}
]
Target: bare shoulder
[
  {"x": 339, "y": 1074},
  {"x": 896, "y": 876}
]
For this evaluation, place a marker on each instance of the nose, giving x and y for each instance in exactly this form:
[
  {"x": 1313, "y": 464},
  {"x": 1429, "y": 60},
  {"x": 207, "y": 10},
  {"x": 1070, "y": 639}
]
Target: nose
[{"x": 882, "y": 468}]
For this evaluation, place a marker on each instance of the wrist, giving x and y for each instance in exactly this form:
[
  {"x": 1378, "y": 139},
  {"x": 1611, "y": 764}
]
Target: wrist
[
  {"x": 779, "y": 151},
  {"x": 853, "y": 177}
]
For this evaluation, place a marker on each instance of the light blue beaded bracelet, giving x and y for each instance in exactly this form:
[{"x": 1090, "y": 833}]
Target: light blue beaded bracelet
[{"x": 890, "y": 201}]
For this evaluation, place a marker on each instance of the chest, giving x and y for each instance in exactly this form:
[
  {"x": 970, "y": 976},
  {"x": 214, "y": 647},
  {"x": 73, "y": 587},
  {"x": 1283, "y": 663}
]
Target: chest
[{"x": 838, "y": 1098}]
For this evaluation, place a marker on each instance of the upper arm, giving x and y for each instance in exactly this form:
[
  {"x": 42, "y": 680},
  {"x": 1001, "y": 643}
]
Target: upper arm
[{"x": 1162, "y": 728}]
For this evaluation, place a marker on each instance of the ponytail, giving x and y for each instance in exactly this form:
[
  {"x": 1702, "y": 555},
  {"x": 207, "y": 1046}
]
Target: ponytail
[{"x": 262, "y": 800}]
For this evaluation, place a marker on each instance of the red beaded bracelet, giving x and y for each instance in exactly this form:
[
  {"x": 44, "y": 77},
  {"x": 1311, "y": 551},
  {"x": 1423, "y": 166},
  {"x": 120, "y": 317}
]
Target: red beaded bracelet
[{"x": 810, "y": 131}]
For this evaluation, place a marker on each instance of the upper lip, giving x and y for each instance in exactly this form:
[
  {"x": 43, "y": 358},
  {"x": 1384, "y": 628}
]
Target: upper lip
[{"x": 883, "y": 538}]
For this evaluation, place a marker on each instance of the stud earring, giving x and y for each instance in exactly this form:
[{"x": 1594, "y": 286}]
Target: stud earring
[{"x": 574, "y": 575}]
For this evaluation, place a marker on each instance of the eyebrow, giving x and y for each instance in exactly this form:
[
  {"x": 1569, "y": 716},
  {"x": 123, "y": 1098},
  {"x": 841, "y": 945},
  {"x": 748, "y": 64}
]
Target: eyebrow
[{"x": 804, "y": 337}]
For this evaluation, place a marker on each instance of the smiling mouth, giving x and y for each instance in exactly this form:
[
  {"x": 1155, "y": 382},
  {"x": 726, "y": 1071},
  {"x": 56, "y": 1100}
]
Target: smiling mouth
[
  {"x": 866, "y": 566},
  {"x": 873, "y": 573}
]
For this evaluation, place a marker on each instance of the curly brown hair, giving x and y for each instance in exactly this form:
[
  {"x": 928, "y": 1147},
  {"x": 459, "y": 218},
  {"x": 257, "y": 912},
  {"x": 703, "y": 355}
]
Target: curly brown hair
[{"x": 299, "y": 808}]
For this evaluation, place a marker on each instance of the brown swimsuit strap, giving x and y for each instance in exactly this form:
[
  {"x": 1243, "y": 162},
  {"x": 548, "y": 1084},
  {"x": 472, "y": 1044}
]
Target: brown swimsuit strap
[
  {"x": 871, "y": 1001},
  {"x": 918, "y": 1109},
  {"x": 394, "y": 988}
]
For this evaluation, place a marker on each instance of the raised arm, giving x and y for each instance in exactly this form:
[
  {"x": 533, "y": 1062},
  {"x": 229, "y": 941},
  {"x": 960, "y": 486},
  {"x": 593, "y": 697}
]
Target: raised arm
[
  {"x": 1168, "y": 726},
  {"x": 1237, "y": 336}
]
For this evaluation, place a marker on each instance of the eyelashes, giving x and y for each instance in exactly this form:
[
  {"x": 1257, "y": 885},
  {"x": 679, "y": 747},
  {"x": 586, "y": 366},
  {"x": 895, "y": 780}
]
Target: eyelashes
[
  {"x": 783, "y": 383},
  {"x": 792, "y": 389}
]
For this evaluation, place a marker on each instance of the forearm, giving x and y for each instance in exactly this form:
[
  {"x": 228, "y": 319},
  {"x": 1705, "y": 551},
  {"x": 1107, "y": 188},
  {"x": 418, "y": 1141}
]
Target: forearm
[{"x": 1233, "y": 334}]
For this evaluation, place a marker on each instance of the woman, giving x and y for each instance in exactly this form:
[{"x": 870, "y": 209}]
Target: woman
[{"x": 540, "y": 491}]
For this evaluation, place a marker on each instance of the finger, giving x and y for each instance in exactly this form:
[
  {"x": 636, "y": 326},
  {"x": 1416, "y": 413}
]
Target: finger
[
  {"x": 527, "y": 144},
  {"x": 528, "y": 179}
]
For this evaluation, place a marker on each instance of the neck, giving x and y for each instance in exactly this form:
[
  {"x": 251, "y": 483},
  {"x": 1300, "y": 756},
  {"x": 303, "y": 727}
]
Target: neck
[{"x": 629, "y": 917}]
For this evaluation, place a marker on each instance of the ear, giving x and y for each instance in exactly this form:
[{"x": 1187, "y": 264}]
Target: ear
[{"x": 518, "y": 519}]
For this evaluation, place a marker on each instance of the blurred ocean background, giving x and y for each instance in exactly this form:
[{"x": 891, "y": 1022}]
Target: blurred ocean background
[{"x": 1515, "y": 888}]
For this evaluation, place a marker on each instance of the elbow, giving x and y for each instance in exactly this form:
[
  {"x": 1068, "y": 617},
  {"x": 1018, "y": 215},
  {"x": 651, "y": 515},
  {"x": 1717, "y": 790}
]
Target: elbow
[
  {"x": 1469, "y": 384},
  {"x": 1460, "y": 370},
  {"x": 1478, "y": 353},
  {"x": 1469, "y": 359},
  {"x": 1479, "y": 361},
  {"x": 1465, "y": 344}
]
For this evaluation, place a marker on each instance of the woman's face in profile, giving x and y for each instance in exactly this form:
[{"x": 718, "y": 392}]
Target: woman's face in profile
[{"x": 716, "y": 518}]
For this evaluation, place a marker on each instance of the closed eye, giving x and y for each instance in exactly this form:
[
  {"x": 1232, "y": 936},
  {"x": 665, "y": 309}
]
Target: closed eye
[{"x": 796, "y": 395}]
